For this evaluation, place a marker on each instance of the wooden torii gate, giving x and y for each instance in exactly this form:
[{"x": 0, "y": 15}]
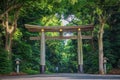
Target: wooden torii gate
[{"x": 60, "y": 29}]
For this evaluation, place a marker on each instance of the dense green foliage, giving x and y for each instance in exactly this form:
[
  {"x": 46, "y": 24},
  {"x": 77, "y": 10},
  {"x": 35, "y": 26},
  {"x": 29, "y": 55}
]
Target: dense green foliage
[
  {"x": 5, "y": 64},
  {"x": 61, "y": 53},
  {"x": 112, "y": 40}
]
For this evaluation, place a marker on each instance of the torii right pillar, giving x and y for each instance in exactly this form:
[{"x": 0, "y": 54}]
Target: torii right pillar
[
  {"x": 42, "y": 55},
  {"x": 80, "y": 52}
]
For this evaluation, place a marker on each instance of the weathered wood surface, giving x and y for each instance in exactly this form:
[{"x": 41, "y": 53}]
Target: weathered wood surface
[
  {"x": 35, "y": 28},
  {"x": 42, "y": 53},
  {"x": 80, "y": 53},
  {"x": 61, "y": 37}
]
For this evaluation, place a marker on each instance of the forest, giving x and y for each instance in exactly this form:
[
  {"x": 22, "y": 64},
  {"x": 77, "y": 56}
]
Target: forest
[{"x": 15, "y": 38}]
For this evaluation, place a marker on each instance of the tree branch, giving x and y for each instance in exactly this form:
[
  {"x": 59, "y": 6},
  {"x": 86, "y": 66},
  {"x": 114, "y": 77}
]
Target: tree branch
[{"x": 9, "y": 9}]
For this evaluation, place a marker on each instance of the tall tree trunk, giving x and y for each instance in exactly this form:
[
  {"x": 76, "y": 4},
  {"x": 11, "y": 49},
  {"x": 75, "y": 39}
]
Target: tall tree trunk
[
  {"x": 8, "y": 44},
  {"x": 10, "y": 24},
  {"x": 9, "y": 31},
  {"x": 101, "y": 54}
]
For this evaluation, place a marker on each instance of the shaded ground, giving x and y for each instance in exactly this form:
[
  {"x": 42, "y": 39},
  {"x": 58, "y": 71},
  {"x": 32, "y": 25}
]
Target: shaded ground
[
  {"x": 62, "y": 76},
  {"x": 115, "y": 71}
]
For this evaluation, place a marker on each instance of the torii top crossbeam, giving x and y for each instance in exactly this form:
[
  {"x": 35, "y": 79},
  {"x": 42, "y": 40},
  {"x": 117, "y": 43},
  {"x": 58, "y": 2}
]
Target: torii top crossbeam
[{"x": 35, "y": 28}]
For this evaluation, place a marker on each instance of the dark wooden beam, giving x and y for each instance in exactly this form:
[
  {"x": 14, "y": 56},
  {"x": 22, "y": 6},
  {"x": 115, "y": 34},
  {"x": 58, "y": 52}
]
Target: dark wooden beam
[
  {"x": 35, "y": 28},
  {"x": 61, "y": 37},
  {"x": 87, "y": 37}
]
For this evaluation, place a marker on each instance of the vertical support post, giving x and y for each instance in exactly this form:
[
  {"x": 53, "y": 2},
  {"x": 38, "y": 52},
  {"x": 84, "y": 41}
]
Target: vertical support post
[
  {"x": 104, "y": 64},
  {"x": 42, "y": 55},
  {"x": 105, "y": 69},
  {"x": 17, "y": 68},
  {"x": 80, "y": 52}
]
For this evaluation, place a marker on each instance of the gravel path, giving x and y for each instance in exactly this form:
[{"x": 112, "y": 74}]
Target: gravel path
[{"x": 62, "y": 76}]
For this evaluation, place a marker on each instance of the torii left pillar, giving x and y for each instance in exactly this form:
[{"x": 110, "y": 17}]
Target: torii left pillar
[
  {"x": 42, "y": 54},
  {"x": 80, "y": 52}
]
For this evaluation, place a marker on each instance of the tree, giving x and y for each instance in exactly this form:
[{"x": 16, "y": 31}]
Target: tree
[
  {"x": 9, "y": 12},
  {"x": 104, "y": 9}
]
